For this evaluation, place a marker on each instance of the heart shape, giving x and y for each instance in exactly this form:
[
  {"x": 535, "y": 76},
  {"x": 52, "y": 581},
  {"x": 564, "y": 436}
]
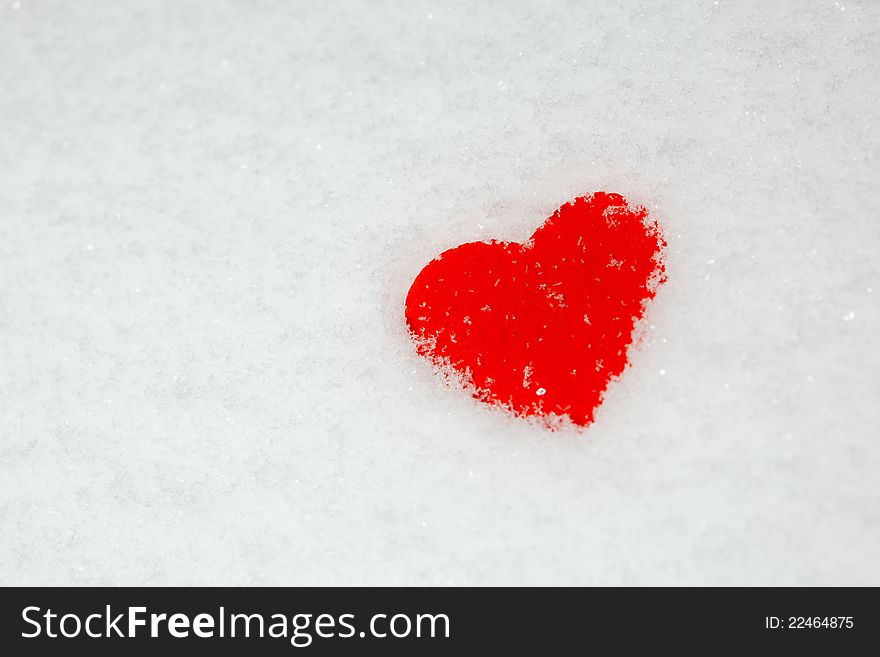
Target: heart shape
[{"x": 541, "y": 328}]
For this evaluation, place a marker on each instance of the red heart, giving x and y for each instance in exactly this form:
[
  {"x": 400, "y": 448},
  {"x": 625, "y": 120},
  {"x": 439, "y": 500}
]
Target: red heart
[{"x": 541, "y": 328}]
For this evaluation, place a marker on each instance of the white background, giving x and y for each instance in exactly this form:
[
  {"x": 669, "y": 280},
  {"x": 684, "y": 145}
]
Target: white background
[{"x": 210, "y": 213}]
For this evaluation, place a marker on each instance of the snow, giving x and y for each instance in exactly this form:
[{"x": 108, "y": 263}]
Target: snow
[{"x": 210, "y": 214}]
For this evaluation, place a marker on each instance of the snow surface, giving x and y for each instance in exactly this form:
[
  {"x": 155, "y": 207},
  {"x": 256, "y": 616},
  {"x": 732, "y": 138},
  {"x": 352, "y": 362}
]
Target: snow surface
[{"x": 210, "y": 213}]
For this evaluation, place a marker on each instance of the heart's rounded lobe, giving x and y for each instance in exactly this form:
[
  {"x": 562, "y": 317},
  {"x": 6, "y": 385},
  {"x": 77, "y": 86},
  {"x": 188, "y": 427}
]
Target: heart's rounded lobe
[{"x": 541, "y": 327}]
